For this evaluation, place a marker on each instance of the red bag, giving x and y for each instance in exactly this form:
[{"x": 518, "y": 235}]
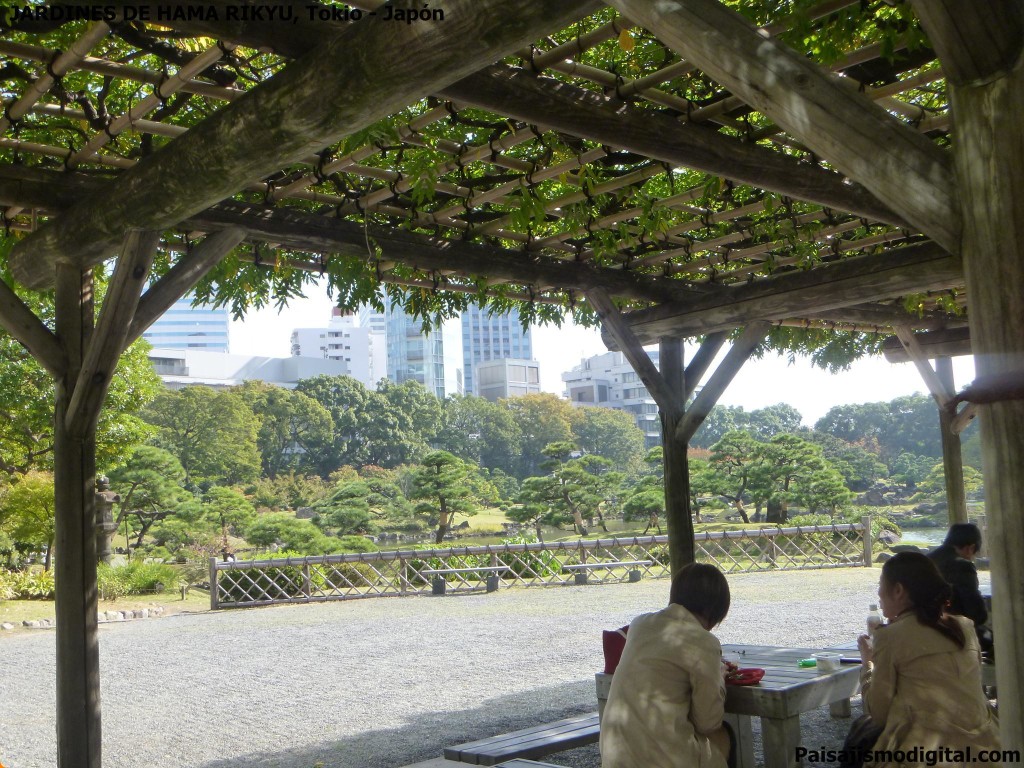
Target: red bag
[{"x": 613, "y": 641}]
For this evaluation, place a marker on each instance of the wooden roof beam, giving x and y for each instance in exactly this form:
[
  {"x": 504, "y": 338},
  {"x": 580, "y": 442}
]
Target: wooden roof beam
[
  {"x": 975, "y": 41},
  {"x": 301, "y": 231},
  {"x": 946, "y": 342},
  {"x": 349, "y": 81},
  {"x": 848, "y": 283},
  {"x": 903, "y": 169}
]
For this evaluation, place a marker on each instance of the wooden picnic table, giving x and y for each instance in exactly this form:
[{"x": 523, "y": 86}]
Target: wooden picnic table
[{"x": 784, "y": 693}]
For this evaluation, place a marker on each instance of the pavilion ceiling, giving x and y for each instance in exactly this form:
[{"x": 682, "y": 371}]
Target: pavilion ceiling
[{"x": 593, "y": 157}]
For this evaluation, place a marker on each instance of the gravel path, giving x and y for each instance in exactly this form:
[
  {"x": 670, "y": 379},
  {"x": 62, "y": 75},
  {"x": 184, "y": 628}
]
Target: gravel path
[{"x": 385, "y": 682}]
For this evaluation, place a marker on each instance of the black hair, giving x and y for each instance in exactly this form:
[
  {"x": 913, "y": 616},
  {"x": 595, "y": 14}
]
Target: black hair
[
  {"x": 927, "y": 590},
  {"x": 963, "y": 535},
  {"x": 703, "y": 591}
]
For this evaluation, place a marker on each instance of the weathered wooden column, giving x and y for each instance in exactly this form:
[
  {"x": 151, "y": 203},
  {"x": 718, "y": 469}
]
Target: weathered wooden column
[
  {"x": 981, "y": 48},
  {"x": 952, "y": 453},
  {"x": 678, "y": 517},
  {"x": 79, "y": 740}
]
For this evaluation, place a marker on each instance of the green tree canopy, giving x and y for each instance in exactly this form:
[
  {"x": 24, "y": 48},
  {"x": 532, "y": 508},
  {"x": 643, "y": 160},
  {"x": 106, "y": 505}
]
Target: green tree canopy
[
  {"x": 212, "y": 434},
  {"x": 612, "y": 434},
  {"x": 294, "y": 430},
  {"x": 441, "y": 487},
  {"x": 151, "y": 486},
  {"x": 543, "y": 419},
  {"x": 27, "y": 513},
  {"x": 481, "y": 432}
]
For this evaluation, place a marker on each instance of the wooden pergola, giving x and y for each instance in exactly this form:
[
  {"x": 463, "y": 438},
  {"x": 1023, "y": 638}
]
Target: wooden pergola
[{"x": 672, "y": 167}]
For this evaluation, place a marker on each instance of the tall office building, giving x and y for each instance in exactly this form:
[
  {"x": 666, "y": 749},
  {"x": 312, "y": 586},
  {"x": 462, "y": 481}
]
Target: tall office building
[
  {"x": 360, "y": 347},
  {"x": 434, "y": 359},
  {"x": 609, "y": 381},
  {"x": 186, "y": 327},
  {"x": 488, "y": 337}
]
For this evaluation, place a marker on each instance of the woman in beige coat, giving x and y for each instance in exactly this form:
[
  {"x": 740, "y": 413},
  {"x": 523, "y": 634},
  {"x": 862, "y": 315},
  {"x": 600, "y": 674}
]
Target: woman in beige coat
[
  {"x": 667, "y": 696},
  {"x": 921, "y": 676}
]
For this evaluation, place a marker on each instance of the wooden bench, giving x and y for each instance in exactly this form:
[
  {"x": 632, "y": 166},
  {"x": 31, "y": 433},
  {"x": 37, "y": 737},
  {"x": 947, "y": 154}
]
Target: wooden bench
[
  {"x": 582, "y": 569},
  {"x": 440, "y": 585},
  {"x": 528, "y": 743}
]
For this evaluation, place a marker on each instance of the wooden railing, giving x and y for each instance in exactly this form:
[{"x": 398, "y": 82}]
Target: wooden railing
[{"x": 406, "y": 572}]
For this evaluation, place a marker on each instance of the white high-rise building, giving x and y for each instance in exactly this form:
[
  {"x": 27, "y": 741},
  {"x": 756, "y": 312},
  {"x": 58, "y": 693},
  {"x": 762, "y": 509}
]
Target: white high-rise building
[
  {"x": 488, "y": 337},
  {"x": 609, "y": 381},
  {"x": 360, "y": 347}
]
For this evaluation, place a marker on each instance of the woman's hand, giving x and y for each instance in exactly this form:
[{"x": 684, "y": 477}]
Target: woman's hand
[{"x": 866, "y": 651}]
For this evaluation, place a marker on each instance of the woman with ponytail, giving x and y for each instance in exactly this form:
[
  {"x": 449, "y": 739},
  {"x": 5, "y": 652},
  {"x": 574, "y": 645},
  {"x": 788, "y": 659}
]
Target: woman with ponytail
[{"x": 921, "y": 674}]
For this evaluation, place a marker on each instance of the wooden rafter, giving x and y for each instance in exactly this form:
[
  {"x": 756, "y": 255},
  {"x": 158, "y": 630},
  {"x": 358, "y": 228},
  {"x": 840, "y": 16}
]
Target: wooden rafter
[
  {"x": 23, "y": 325},
  {"x": 841, "y": 125},
  {"x": 726, "y": 371},
  {"x": 306, "y": 107},
  {"x": 182, "y": 278},
  {"x": 846, "y": 283},
  {"x": 669, "y": 399}
]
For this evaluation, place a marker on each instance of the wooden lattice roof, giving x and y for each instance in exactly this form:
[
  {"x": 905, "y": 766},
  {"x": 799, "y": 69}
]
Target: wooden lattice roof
[{"x": 594, "y": 156}]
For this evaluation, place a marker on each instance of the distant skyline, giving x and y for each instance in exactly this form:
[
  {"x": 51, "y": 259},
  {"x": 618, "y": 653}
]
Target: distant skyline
[{"x": 771, "y": 380}]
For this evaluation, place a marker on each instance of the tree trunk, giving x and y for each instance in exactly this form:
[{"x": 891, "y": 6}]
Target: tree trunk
[
  {"x": 79, "y": 742},
  {"x": 738, "y": 503},
  {"x": 48, "y": 557},
  {"x": 443, "y": 523},
  {"x": 776, "y": 512}
]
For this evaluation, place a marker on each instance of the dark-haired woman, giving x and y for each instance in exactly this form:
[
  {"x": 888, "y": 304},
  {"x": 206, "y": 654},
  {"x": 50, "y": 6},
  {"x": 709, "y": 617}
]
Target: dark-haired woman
[
  {"x": 921, "y": 677},
  {"x": 667, "y": 697}
]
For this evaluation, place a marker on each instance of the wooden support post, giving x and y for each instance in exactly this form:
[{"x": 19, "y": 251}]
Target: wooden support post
[
  {"x": 987, "y": 94},
  {"x": 952, "y": 454},
  {"x": 214, "y": 591},
  {"x": 865, "y": 520},
  {"x": 79, "y": 743},
  {"x": 678, "y": 517}
]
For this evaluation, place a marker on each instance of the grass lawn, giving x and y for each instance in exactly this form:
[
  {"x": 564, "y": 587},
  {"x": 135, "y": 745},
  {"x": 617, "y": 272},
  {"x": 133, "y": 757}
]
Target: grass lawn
[{"x": 17, "y": 611}]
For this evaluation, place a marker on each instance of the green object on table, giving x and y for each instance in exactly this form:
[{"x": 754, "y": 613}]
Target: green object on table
[{"x": 807, "y": 663}]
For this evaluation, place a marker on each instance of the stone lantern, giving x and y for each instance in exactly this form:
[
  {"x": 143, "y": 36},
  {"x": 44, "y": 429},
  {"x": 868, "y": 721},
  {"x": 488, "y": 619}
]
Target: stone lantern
[{"x": 105, "y": 526}]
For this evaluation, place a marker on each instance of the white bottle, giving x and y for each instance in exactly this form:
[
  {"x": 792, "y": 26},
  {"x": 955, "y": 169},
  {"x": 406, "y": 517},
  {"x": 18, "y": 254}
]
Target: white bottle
[{"x": 874, "y": 620}]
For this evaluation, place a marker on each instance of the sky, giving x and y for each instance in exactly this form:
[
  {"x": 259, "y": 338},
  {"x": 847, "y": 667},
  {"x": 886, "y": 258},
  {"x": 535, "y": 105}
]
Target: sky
[{"x": 771, "y": 380}]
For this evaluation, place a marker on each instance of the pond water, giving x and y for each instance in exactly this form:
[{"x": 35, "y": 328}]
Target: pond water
[{"x": 931, "y": 536}]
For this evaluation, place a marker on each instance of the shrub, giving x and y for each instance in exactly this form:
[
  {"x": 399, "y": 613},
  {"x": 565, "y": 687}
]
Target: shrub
[
  {"x": 134, "y": 578},
  {"x": 26, "y": 585},
  {"x": 525, "y": 564}
]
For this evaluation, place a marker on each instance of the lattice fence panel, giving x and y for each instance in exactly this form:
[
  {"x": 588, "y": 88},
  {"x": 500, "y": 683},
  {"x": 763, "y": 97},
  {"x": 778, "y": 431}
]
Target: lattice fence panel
[{"x": 604, "y": 561}]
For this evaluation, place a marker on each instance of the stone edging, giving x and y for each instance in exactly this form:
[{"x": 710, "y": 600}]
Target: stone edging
[{"x": 103, "y": 617}]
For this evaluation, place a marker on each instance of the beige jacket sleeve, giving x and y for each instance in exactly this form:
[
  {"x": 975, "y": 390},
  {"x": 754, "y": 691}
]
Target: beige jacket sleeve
[
  {"x": 708, "y": 701},
  {"x": 878, "y": 680}
]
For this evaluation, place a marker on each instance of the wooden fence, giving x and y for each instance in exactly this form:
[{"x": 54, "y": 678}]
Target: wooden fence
[{"x": 409, "y": 572}]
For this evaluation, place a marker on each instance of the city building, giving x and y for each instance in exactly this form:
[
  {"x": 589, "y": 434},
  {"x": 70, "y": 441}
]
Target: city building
[
  {"x": 361, "y": 347},
  {"x": 608, "y": 381},
  {"x": 186, "y": 327},
  {"x": 434, "y": 358},
  {"x": 179, "y": 368},
  {"x": 491, "y": 337},
  {"x": 508, "y": 377}
]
